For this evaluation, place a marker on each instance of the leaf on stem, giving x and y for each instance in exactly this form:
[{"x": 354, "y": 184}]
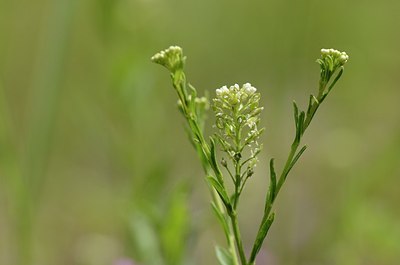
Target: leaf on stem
[
  {"x": 335, "y": 80},
  {"x": 299, "y": 118},
  {"x": 213, "y": 161},
  {"x": 262, "y": 233},
  {"x": 296, "y": 113},
  {"x": 221, "y": 192},
  {"x": 313, "y": 100},
  {"x": 192, "y": 98},
  {"x": 272, "y": 184},
  {"x": 300, "y": 126},
  {"x": 296, "y": 158},
  {"x": 224, "y": 256},
  {"x": 222, "y": 220}
]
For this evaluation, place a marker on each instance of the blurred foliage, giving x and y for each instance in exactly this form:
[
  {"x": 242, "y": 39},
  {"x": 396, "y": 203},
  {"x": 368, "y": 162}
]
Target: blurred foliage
[{"x": 85, "y": 118}]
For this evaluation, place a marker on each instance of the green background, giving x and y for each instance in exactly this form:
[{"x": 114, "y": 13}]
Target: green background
[{"x": 95, "y": 165}]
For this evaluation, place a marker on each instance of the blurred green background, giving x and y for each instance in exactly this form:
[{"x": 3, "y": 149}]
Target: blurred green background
[{"x": 95, "y": 167}]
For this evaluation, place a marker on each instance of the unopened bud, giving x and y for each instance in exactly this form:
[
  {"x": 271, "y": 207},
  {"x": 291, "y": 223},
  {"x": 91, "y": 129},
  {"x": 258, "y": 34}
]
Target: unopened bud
[
  {"x": 250, "y": 172},
  {"x": 223, "y": 163},
  {"x": 238, "y": 156}
]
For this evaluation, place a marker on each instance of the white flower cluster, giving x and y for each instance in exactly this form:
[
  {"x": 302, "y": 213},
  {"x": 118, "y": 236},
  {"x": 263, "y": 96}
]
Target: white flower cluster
[
  {"x": 235, "y": 94},
  {"x": 342, "y": 57},
  {"x": 237, "y": 115}
]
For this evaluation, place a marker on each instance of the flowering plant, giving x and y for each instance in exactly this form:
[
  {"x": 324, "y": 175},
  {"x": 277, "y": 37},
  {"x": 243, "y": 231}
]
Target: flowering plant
[{"x": 237, "y": 114}]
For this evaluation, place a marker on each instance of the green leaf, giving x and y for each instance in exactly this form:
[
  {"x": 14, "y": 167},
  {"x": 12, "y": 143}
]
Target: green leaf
[
  {"x": 221, "y": 192},
  {"x": 336, "y": 79},
  {"x": 222, "y": 220},
  {"x": 320, "y": 62},
  {"x": 300, "y": 126},
  {"x": 192, "y": 90},
  {"x": 192, "y": 98},
  {"x": 272, "y": 185},
  {"x": 213, "y": 161},
  {"x": 295, "y": 113},
  {"x": 311, "y": 102},
  {"x": 262, "y": 233},
  {"x": 296, "y": 158},
  {"x": 224, "y": 256}
]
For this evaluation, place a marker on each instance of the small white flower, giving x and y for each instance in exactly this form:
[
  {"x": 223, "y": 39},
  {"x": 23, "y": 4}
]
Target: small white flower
[
  {"x": 222, "y": 91},
  {"x": 173, "y": 49},
  {"x": 343, "y": 58},
  {"x": 157, "y": 57},
  {"x": 249, "y": 89}
]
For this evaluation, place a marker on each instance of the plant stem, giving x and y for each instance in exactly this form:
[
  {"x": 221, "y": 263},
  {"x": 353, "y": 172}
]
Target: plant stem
[
  {"x": 238, "y": 239},
  {"x": 230, "y": 238},
  {"x": 237, "y": 184},
  {"x": 285, "y": 171}
]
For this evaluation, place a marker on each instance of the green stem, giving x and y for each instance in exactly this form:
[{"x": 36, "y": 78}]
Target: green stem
[
  {"x": 230, "y": 238},
  {"x": 202, "y": 144},
  {"x": 238, "y": 239},
  {"x": 285, "y": 171},
  {"x": 237, "y": 184}
]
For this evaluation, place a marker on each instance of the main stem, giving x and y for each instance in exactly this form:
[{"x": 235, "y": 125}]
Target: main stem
[
  {"x": 230, "y": 239},
  {"x": 238, "y": 239},
  {"x": 283, "y": 176}
]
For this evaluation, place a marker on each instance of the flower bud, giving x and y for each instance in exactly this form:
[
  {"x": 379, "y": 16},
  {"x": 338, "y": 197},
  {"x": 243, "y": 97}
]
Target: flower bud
[
  {"x": 250, "y": 172},
  {"x": 238, "y": 156},
  {"x": 223, "y": 163}
]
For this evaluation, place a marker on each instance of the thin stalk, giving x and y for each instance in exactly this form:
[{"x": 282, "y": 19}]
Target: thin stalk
[
  {"x": 217, "y": 201},
  {"x": 237, "y": 184},
  {"x": 230, "y": 238},
  {"x": 238, "y": 239},
  {"x": 285, "y": 171}
]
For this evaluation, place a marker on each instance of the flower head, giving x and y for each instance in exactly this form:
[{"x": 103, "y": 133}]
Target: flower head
[
  {"x": 237, "y": 114},
  {"x": 235, "y": 94},
  {"x": 171, "y": 58},
  {"x": 331, "y": 59}
]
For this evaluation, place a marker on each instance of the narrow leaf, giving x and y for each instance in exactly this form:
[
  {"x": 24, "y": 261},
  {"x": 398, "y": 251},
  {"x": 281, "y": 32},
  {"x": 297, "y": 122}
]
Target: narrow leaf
[
  {"x": 224, "y": 256},
  {"x": 295, "y": 113},
  {"x": 221, "y": 191},
  {"x": 222, "y": 220},
  {"x": 301, "y": 123},
  {"x": 310, "y": 104},
  {"x": 272, "y": 186},
  {"x": 273, "y": 180},
  {"x": 213, "y": 160},
  {"x": 296, "y": 158},
  {"x": 262, "y": 233},
  {"x": 336, "y": 79}
]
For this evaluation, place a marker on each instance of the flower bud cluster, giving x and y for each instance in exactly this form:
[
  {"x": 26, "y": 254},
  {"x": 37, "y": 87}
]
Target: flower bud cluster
[
  {"x": 234, "y": 94},
  {"x": 330, "y": 61},
  {"x": 171, "y": 58},
  {"x": 237, "y": 115},
  {"x": 339, "y": 57}
]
